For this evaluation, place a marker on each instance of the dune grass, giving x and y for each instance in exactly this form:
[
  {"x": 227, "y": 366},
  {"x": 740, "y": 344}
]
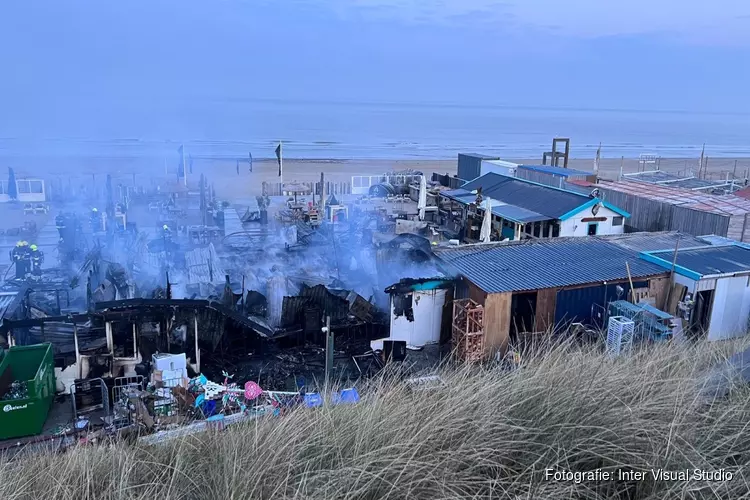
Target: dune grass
[{"x": 488, "y": 434}]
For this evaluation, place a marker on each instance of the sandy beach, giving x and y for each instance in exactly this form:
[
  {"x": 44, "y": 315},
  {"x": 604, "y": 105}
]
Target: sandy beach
[{"x": 231, "y": 185}]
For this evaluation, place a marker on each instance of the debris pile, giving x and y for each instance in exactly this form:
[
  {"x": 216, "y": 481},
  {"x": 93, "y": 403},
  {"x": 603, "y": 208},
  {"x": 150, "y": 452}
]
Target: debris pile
[{"x": 18, "y": 390}]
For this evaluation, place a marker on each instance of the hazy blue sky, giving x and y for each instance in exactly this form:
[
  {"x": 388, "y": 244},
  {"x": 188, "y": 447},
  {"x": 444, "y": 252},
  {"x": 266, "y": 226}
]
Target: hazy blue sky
[{"x": 99, "y": 57}]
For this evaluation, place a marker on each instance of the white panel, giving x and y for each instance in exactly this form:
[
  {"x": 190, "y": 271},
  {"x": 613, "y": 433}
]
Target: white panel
[
  {"x": 498, "y": 167},
  {"x": 686, "y": 282},
  {"x": 730, "y": 307},
  {"x": 428, "y": 315}
]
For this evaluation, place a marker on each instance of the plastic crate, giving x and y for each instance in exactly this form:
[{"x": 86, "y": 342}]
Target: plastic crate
[{"x": 35, "y": 365}]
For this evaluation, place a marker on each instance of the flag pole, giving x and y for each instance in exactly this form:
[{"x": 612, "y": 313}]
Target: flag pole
[
  {"x": 281, "y": 163},
  {"x": 184, "y": 167}
]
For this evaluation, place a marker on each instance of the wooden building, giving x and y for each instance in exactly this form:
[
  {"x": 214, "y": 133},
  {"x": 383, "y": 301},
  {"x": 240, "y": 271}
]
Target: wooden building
[{"x": 543, "y": 285}]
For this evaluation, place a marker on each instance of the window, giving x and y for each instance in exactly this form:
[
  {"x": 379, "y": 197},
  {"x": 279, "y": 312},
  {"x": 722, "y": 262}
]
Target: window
[
  {"x": 23, "y": 186},
  {"x": 617, "y": 221},
  {"x": 3, "y": 187},
  {"x": 356, "y": 182},
  {"x": 36, "y": 187}
]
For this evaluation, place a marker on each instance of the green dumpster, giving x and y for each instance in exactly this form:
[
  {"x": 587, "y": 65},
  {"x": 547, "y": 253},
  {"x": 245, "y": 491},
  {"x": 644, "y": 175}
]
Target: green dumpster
[{"x": 35, "y": 365}]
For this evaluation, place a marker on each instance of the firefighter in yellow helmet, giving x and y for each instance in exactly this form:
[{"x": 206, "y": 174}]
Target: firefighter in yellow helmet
[
  {"x": 37, "y": 259},
  {"x": 17, "y": 258}
]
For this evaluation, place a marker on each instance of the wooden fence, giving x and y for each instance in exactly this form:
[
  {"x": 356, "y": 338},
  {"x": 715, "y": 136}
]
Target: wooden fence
[{"x": 336, "y": 188}]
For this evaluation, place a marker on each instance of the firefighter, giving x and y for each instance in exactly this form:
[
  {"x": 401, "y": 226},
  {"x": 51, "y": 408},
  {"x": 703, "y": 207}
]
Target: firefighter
[
  {"x": 60, "y": 224},
  {"x": 95, "y": 220},
  {"x": 26, "y": 257},
  {"x": 17, "y": 258},
  {"x": 37, "y": 259}
]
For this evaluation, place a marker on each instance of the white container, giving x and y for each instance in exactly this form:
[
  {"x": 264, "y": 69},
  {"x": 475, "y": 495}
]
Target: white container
[
  {"x": 169, "y": 362},
  {"x": 427, "y": 306}
]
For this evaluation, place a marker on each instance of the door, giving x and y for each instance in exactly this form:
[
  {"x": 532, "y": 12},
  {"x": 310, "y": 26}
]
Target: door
[{"x": 592, "y": 229}]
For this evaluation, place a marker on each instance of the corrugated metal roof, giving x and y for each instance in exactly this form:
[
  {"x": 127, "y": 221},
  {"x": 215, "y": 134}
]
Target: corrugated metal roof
[
  {"x": 697, "y": 200},
  {"x": 652, "y": 242},
  {"x": 545, "y": 200},
  {"x": 710, "y": 260},
  {"x": 517, "y": 214},
  {"x": 545, "y": 263},
  {"x": 677, "y": 181},
  {"x": 562, "y": 172}
]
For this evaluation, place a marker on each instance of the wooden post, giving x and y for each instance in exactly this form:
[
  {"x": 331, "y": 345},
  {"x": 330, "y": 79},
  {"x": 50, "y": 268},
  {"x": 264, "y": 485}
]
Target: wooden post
[
  {"x": 197, "y": 349},
  {"x": 705, "y": 168},
  {"x": 671, "y": 274},
  {"x": 630, "y": 280},
  {"x": 734, "y": 172},
  {"x": 329, "y": 352},
  {"x": 78, "y": 352}
]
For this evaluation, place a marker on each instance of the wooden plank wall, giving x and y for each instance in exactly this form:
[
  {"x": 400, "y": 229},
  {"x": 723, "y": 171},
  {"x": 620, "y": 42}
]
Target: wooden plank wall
[
  {"x": 546, "y": 301},
  {"x": 699, "y": 223},
  {"x": 658, "y": 288},
  {"x": 497, "y": 322},
  {"x": 739, "y": 228},
  {"x": 653, "y": 215},
  {"x": 645, "y": 214}
]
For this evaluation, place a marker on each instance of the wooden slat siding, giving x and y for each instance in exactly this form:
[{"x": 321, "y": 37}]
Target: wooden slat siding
[
  {"x": 540, "y": 177},
  {"x": 546, "y": 300},
  {"x": 657, "y": 288},
  {"x": 699, "y": 223},
  {"x": 475, "y": 293},
  {"x": 497, "y": 323},
  {"x": 652, "y": 215}
]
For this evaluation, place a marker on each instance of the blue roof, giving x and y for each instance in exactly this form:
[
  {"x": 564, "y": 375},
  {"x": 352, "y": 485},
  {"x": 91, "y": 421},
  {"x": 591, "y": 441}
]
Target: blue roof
[
  {"x": 506, "y": 211},
  {"x": 551, "y": 202},
  {"x": 695, "y": 263},
  {"x": 544, "y": 263},
  {"x": 563, "y": 172}
]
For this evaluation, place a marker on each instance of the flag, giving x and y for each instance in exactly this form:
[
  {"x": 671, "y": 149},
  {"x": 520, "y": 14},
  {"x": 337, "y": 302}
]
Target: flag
[
  {"x": 598, "y": 159},
  {"x": 251, "y": 161},
  {"x": 278, "y": 157},
  {"x": 181, "y": 163}
]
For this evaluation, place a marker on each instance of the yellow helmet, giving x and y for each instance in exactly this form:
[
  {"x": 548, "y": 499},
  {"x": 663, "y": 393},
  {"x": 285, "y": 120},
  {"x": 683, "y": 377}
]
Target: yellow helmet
[
  {"x": 165, "y": 227},
  {"x": 19, "y": 244},
  {"x": 34, "y": 247}
]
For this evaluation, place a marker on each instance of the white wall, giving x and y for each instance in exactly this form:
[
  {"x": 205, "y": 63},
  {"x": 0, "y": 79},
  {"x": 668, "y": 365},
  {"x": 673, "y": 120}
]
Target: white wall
[
  {"x": 498, "y": 167},
  {"x": 575, "y": 226},
  {"x": 428, "y": 316},
  {"x": 731, "y": 308}
]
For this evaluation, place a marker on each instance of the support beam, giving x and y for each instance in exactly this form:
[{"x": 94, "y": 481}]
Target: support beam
[{"x": 197, "y": 349}]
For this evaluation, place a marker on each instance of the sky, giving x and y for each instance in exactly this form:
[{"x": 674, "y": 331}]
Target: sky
[{"x": 157, "y": 57}]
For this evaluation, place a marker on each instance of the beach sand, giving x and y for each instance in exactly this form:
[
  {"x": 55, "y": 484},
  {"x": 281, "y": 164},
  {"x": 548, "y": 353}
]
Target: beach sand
[{"x": 230, "y": 185}]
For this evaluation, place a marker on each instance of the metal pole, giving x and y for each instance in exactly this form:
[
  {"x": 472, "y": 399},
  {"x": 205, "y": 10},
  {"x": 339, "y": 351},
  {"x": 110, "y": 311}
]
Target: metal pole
[
  {"x": 329, "y": 351},
  {"x": 671, "y": 274},
  {"x": 197, "y": 349},
  {"x": 78, "y": 353}
]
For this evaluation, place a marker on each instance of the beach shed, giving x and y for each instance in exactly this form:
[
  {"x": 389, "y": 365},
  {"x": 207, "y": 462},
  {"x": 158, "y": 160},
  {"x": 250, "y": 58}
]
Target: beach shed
[
  {"x": 717, "y": 286},
  {"x": 662, "y": 207},
  {"x": 523, "y": 209},
  {"x": 553, "y": 176},
  {"x": 538, "y": 285}
]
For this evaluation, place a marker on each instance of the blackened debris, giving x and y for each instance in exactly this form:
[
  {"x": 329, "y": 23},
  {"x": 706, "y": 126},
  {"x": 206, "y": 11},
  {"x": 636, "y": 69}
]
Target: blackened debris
[{"x": 403, "y": 306}]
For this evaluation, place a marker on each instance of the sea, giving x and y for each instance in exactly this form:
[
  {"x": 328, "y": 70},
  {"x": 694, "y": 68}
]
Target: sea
[{"x": 361, "y": 130}]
